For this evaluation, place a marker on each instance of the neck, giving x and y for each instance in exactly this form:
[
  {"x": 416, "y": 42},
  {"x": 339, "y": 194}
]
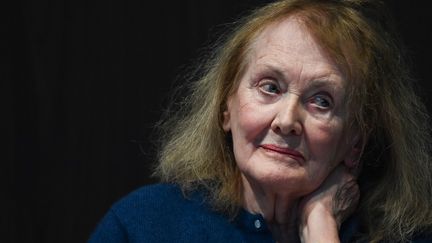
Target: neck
[{"x": 278, "y": 209}]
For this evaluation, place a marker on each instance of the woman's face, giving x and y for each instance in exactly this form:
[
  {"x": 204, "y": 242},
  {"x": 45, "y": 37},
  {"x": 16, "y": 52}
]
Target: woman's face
[{"x": 287, "y": 115}]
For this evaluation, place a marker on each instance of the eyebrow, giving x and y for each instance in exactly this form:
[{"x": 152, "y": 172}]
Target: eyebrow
[
  {"x": 322, "y": 80},
  {"x": 273, "y": 70}
]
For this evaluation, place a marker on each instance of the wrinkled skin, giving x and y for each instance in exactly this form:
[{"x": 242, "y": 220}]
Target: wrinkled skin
[{"x": 287, "y": 123}]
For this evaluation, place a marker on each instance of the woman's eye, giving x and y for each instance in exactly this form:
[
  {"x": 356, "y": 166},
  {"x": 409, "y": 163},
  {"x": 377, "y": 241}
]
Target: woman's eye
[
  {"x": 322, "y": 101},
  {"x": 270, "y": 88}
]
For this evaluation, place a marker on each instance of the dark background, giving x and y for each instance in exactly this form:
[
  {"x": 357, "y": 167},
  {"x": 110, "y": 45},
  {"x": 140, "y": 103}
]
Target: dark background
[{"x": 82, "y": 85}]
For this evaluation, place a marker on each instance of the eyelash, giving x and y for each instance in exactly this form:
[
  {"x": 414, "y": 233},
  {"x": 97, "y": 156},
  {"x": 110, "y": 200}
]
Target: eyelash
[
  {"x": 323, "y": 98},
  {"x": 266, "y": 84}
]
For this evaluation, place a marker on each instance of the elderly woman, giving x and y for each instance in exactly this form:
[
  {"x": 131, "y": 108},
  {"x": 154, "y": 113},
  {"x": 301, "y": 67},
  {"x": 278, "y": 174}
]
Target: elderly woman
[{"x": 303, "y": 127}]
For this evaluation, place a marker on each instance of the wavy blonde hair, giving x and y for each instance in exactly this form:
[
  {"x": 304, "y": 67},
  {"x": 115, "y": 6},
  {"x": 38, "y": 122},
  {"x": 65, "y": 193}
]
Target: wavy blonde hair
[{"x": 396, "y": 180}]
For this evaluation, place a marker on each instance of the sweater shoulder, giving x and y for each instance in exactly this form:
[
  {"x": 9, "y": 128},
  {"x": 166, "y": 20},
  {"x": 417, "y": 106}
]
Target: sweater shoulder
[
  {"x": 162, "y": 213},
  {"x": 154, "y": 199}
]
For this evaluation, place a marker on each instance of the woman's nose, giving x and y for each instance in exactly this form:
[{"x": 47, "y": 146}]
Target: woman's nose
[{"x": 288, "y": 117}]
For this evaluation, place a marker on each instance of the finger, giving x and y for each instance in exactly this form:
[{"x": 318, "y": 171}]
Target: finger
[{"x": 345, "y": 200}]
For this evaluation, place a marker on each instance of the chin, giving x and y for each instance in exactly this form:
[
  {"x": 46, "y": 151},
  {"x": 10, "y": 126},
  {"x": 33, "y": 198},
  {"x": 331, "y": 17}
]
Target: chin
[{"x": 282, "y": 180}]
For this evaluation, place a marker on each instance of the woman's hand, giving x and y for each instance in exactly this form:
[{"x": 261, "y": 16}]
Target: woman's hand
[{"x": 322, "y": 212}]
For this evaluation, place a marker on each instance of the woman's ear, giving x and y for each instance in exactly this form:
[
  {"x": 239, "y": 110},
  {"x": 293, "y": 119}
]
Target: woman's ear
[
  {"x": 352, "y": 158},
  {"x": 226, "y": 125}
]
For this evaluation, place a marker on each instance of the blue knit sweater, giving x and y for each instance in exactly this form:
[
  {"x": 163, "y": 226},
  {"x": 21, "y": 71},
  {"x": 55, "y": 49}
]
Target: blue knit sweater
[{"x": 161, "y": 213}]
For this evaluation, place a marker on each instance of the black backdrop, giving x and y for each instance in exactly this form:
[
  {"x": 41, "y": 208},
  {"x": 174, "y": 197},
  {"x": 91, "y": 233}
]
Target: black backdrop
[{"x": 83, "y": 83}]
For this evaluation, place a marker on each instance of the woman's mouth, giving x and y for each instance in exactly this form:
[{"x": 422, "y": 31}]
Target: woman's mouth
[{"x": 284, "y": 151}]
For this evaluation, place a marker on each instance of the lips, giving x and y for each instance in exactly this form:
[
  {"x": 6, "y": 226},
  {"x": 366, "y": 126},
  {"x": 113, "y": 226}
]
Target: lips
[{"x": 284, "y": 151}]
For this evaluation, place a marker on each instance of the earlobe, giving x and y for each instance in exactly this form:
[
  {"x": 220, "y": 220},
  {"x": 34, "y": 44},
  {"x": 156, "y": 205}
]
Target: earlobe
[{"x": 353, "y": 157}]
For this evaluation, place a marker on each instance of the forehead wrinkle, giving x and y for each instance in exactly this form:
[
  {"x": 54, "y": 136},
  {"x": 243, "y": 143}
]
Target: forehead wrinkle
[
  {"x": 327, "y": 77},
  {"x": 268, "y": 51},
  {"x": 275, "y": 64}
]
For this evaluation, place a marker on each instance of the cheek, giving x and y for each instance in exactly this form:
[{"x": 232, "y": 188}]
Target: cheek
[
  {"x": 324, "y": 141},
  {"x": 249, "y": 122},
  {"x": 323, "y": 144}
]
